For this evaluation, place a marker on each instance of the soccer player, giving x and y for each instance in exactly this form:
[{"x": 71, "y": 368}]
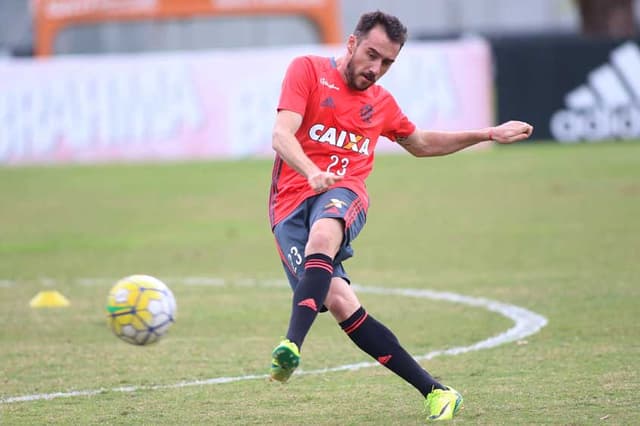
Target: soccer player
[{"x": 330, "y": 116}]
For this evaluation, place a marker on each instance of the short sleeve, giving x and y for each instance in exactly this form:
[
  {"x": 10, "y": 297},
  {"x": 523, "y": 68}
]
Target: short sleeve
[
  {"x": 397, "y": 124},
  {"x": 296, "y": 86}
]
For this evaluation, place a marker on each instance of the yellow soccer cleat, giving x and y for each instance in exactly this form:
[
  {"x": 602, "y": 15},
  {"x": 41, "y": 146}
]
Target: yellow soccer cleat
[
  {"x": 284, "y": 361},
  {"x": 442, "y": 404}
]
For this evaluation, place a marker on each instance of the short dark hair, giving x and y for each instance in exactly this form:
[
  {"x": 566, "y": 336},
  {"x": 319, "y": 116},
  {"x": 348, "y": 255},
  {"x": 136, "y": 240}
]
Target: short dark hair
[{"x": 395, "y": 30}]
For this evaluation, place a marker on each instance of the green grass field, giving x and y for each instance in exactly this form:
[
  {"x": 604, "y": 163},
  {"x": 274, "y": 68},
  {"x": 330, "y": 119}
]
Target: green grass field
[{"x": 550, "y": 228}]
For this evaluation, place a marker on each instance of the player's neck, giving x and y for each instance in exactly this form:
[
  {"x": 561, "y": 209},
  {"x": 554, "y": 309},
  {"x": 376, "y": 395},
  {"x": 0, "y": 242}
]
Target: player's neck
[{"x": 341, "y": 66}]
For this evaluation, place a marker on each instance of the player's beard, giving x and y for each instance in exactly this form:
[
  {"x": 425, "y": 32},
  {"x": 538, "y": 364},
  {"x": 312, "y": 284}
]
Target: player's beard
[{"x": 352, "y": 76}]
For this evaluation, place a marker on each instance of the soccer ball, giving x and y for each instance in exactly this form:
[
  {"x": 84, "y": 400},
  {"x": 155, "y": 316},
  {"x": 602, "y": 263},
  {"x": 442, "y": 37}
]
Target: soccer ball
[{"x": 140, "y": 309}]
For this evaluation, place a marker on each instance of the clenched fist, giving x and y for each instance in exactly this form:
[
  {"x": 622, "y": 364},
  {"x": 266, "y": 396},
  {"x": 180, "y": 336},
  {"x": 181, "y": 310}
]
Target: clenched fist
[{"x": 511, "y": 131}]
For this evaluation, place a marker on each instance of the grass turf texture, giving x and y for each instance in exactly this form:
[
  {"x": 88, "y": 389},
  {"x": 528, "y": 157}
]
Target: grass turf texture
[{"x": 548, "y": 227}]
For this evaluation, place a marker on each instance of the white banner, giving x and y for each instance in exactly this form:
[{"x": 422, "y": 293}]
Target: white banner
[{"x": 215, "y": 104}]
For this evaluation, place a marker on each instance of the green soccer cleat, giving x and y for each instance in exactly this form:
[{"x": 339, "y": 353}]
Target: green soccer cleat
[
  {"x": 285, "y": 359},
  {"x": 442, "y": 404}
]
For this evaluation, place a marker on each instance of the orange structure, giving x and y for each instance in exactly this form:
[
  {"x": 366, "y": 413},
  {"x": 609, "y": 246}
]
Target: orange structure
[{"x": 51, "y": 16}]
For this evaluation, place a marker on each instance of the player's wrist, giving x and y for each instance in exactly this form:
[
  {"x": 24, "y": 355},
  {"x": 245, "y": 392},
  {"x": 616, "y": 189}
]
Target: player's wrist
[
  {"x": 311, "y": 175},
  {"x": 491, "y": 133}
]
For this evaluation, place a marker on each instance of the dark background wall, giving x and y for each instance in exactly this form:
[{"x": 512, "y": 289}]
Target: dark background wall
[{"x": 535, "y": 74}]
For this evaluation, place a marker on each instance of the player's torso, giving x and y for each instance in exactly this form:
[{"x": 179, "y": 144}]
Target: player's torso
[
  {"x": 339, "y": 133},
  {"x": 340, "y": 127}
]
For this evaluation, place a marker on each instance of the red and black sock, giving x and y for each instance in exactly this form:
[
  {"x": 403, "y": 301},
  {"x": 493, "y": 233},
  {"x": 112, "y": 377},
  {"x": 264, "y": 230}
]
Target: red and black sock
[
  {"x": 379, "y": 342},
  {"x": 309, "y": 295}
]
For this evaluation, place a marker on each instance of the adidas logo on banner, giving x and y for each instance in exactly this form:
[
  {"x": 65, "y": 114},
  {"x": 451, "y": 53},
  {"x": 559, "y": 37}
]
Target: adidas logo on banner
[{"x": 608, "y": 105}]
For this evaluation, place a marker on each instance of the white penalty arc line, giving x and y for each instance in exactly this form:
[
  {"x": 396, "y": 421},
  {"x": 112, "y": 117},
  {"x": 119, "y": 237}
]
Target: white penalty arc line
[{"x": 526, "y": 324}]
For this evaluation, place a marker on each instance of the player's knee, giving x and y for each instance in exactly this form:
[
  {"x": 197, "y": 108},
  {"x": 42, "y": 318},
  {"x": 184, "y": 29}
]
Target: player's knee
[
  {"x": 322, "y": 242},
  {"x": 325, "y": 237},
  {"x": 336, "y": 304},
  {"x": 332, "y": 301},
  {"x": 341, "y": 304}
]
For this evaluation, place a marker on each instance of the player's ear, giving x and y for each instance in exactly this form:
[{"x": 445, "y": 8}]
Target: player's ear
[{"x": 352, "y": 41}]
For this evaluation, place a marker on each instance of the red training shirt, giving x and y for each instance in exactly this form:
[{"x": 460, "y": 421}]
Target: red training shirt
[{"x": 339, "y": 131}]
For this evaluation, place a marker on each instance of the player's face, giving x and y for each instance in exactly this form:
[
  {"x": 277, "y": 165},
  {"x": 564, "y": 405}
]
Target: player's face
[{"x": 370, "y": 58}]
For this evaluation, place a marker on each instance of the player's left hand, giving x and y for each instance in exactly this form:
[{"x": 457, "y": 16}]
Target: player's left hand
[{"x": 511, "y": 131}]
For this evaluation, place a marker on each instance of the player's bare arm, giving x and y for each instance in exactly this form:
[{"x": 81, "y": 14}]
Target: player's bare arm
[
  {"x": 284, "y": 142},
  {"x": 428, "y": 143}
]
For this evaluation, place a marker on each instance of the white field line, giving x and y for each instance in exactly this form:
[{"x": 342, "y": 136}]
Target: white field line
[
  {"x": 526, "y": 324},
  {"x": 6, "y": 283}
]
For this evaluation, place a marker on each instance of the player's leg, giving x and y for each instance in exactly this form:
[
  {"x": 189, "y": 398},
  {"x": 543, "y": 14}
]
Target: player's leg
[
  {"x": 326, "y": 216},
  {"x": 441, "y": 402},
  {"x": 324, "y": 241},
  {"x": 312, "y": 263},
  {"x": 374, "y": 338},
  {"x": 309, "y": 294}
]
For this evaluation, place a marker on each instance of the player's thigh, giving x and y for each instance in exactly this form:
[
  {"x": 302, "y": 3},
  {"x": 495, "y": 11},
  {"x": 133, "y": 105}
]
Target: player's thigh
[
  {"x": 344, "y": 205},
  {"x": 326, "y": 236}
]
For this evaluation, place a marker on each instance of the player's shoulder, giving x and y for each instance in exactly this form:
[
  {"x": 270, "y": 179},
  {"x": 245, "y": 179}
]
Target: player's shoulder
[
  {"x": 313, "y": 61},
  {"x": 310, "y": 67}
]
